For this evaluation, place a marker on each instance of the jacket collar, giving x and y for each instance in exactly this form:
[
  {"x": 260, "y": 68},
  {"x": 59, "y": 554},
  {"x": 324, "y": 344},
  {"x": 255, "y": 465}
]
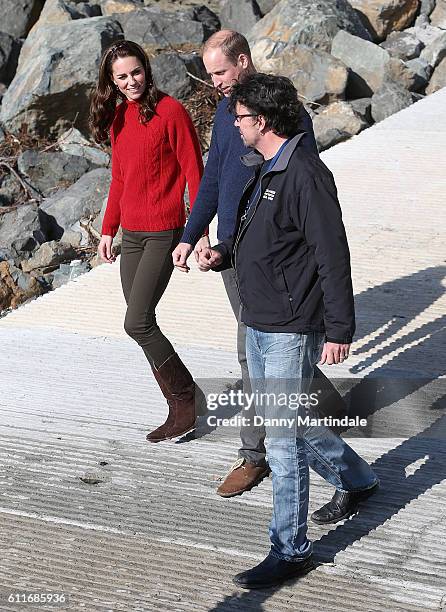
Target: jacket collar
[{"x": 254, "y": 158}]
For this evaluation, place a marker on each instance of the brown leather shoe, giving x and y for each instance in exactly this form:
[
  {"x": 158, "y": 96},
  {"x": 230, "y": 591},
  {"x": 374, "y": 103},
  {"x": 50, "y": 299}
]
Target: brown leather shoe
[
  {"x": 178, "y": 387},
  {"x": 243, "y": 476}
]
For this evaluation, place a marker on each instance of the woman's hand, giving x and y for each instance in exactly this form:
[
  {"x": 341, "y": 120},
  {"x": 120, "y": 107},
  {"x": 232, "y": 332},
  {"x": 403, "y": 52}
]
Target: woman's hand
[{"x": 105, "y": 249}]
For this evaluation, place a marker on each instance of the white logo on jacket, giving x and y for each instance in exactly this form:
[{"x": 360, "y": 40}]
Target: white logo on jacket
[{"x": 269, "y": 194}]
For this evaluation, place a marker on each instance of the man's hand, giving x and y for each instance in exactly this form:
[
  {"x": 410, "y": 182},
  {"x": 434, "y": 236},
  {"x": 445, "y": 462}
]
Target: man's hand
[
  {"x": 180, "y": 255},
  {"x": 209, "y": 258},
  {"x": 105, "y": 249},
  {"x": 203, "y": 243},
  {"x": 334, "y": 353}
]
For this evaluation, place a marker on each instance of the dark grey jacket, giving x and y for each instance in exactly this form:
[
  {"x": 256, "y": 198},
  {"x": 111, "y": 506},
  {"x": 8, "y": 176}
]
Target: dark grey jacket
[{"x": 290, "y": 251}]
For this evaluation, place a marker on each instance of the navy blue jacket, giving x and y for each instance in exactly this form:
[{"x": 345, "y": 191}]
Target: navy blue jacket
[
  {"x": 290, "y": 251},
  {"x": 225, "y": 176}
]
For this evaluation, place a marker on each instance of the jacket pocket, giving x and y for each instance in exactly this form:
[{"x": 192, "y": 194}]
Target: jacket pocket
[{"x": 288, "y": 296}]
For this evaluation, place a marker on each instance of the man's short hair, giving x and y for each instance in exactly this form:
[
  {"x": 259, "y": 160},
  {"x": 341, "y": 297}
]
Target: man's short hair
[
  {"x": 273, "y": 97},
  {"x": 231, "y": 43}
]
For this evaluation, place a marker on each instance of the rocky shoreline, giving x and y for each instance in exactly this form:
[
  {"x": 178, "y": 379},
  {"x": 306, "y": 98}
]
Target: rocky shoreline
[{"x": 354, "y": 64}]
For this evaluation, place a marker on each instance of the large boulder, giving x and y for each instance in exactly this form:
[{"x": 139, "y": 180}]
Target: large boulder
[
  {"x": 438, "y": 16},
  {"x": 170, "y": 75},
  {"x": 267, "y": 5},
  {"x": 48, "y": 257},
  {"x": 335, "y": 123},
  {"x": 240, "y": 16},
  {"x": 210, "y": 21},
  {"x": 389, "y": 99},
  {"x": 434, "y": 52},
  {"x": 18, "y": 16},
  {"x": 412, "y": 75},
  {"x": 81, "y": 200},
  {"x": 21, "y": 230},
  {"x": 426, "y": 7},
  {"x": 156, "y": 29},
  {"x": 368, "y": 63},
  {"x": 317, "y": 76},
  {"x": 9, "y": 56},
  {"x": 402, "y": 45},
  {"x": 438, "y": 79},
  {"x": 49, "y": 171},
  {"x": 384, "y": 16},
  {"x": 425, "y": 33},
  {"x": 309, "y": 23},
  {"x": 73, "y": 143},
  {"x": 58, "y": 67}
]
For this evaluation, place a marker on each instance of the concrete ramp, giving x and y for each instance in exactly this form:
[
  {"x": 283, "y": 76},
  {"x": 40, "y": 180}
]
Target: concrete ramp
[{"x": 89, "y": 509}]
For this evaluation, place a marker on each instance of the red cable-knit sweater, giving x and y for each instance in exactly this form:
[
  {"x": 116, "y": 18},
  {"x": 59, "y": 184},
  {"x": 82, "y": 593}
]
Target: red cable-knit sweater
[{"x": 150, "y": 166}]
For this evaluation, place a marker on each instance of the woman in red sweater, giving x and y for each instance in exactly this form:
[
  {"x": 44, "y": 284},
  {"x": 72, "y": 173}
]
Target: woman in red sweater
[{"x": 155, "y": 150}]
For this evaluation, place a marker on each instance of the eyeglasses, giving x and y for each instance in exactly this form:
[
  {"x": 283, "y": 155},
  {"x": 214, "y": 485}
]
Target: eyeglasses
[{"x": 238, "y": 118}]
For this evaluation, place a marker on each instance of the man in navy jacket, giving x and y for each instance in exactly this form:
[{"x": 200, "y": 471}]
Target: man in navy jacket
[
  {"x": 292, "y": 269},
  {"x": 227, "y": 58}
]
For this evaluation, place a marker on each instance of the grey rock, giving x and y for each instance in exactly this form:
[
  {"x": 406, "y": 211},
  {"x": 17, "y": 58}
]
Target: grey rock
[
  {"x": 438, "y": 80},
  {"x": 73, "y": 143},
  {"x": 49, "y": 256},
  {"x": 402, "y": 45},
  {"x": 9, "y": 56},
  {"x": 421, "y": 21},
  {"x": 267, "y": 5},
  {"x": 57, "y": 70},
  {"x": 83, "y": 199},
  {"x": 194, "y": 65},
  {"x": 71, "y": 237},
  {"x": 170, "y": 75},
  {"x": 240, "y": 16},
  {"x": 363, "y": 108},
  {"x": 426, "y": 34},
  {"x": 426, "y": 7},
  {"x": 49, "y": 171},
  {"x": 367, "y": 62},
  {"x": 336, "y": 123},
  {"x": 211, "y": 22},
  {"x": 435, "y": 51},
  {"x": 67, "y": 272},
  {"x": 438, "y": 16},
  {"x": 21, "y": 229},
  {"x": 18, "y": 16},
  {"x": 154, "y": 28},
  {"x": 422, "y": 70},
  {"x": 317, "y": 75},
  {"x": 411, "y": 78},
  {"x": 310, "y": 23},
  {"x": 2, "y": 135},
  {"x": 11, "y": 192},
  {"x": 85, "y": 9},
  {"x": 389, "y": 99}
]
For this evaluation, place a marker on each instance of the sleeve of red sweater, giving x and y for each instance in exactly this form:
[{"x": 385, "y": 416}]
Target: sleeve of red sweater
[
  {"x": 185, "y": 144},
  {"x": 112, "y": 216}
]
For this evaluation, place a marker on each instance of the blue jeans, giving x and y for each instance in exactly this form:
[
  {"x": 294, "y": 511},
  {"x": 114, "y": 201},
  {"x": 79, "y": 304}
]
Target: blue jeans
[{"x": 281, "y": 366}]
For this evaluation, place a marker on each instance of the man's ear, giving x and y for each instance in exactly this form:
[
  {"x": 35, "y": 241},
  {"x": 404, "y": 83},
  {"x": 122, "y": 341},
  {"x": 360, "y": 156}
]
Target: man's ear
[
  {"x": 243, "y": 60},
  {"x": 261, "y": 123}
]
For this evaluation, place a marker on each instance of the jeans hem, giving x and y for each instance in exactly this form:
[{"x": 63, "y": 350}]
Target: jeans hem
[
  {"x": 290, "y": 559},
  {"x": 376, "y": 482}
]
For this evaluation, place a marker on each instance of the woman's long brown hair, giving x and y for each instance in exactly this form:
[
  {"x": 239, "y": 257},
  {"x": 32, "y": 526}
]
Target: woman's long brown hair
[{"x": 106, "y": 95}]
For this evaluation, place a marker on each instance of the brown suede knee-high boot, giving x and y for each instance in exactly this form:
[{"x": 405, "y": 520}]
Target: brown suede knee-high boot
[{"x": 178, "y": 387}]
